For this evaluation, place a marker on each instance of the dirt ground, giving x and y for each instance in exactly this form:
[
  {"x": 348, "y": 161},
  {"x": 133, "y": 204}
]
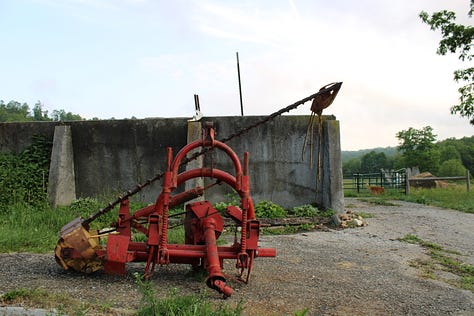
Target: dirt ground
[{"x": 358, "y": 271}]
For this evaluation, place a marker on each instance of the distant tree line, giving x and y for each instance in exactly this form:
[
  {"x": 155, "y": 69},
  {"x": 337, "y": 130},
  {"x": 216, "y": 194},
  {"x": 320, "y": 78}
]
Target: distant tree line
[
  {"x": 14, "y": 111},
  {"x": 450, "y": 157}
]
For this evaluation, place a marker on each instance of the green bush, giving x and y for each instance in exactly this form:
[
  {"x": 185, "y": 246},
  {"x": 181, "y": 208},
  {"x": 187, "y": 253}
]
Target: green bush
[
  {"x": 232, "y": 199},
  {"x": 451, "y": 168},
  {"x": 306, "y": 210},
  {"x": 326, "y": 213},
  {"x": 24, "y": 176},
  {"x": 268, "y": 209}
]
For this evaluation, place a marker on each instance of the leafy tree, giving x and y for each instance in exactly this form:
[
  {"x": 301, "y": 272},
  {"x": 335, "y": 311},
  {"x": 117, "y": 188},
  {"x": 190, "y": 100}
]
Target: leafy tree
[
  {"x": 463, "y": 146},
  {"x": 448, "y": 152},
  {"x": 452, "y": 167},
  {"x": 373, "y": 162},
  {"x": 350, "y": 167},
  {"x": 418, "y": 149},
  {"x": 39, "y": 114},
  {"x": 456, "y": 38},
  {"x": 416, "y": 139},
  {"x": 61, "y": 115},
  {"x": 14, "y": 112},
  {"x": 399, "y": 162}
]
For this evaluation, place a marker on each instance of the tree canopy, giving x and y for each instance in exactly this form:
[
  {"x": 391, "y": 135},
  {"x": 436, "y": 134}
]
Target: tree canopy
[
  {"x": 14, "y": 111},
  {"x": 457, "y": 38},
  {"x": 418, "y": 149}
]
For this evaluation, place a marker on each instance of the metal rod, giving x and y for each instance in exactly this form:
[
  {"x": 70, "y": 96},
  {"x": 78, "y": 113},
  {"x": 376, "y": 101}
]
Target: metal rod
[
  {"x": 197, "y": 106},
  {"x": 240, "y": 86}
]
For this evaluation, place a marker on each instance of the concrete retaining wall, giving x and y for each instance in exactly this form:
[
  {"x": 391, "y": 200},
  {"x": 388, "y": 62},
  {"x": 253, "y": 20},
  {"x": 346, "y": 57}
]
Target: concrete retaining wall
[
  {"x": 278, "y": 172},
  {"x": 113, "y": 156}
]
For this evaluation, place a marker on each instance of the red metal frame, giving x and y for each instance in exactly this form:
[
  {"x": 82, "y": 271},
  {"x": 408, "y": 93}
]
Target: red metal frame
[{"x": 203, "y": 224}]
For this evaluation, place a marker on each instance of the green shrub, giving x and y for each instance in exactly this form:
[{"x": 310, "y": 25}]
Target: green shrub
[
  {"x": 326, "y": 213},
  {"x": 231, "y": 199},
  {"x": 268, "y": 209},
  {"x": 85, "y": 205},
  {"x": 451, "y": 168},
  {"x": 306, "y": 210},
  {"x": 24, "y": 176}
]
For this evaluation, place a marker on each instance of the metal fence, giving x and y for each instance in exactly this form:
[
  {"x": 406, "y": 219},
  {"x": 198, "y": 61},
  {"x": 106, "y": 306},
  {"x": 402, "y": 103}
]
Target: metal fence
[
  {"x": 393, "y": 179},
  {"x": 417, "y": 181}
]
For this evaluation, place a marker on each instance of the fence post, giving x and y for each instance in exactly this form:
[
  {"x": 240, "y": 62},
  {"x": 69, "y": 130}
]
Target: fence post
[
  {"x": 358, "y": 182},
  {"x": 468, "y": 181},
  {"x": 407, "y": 181}
]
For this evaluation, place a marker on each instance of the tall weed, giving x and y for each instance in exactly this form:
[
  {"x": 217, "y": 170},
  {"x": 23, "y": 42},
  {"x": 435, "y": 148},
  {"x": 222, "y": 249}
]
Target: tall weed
[{"x": 24, "y": 177}]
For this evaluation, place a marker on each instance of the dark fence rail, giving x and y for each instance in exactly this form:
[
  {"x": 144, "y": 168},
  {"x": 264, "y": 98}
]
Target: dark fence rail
[
  {"x": 465, "y": 178},
  {"x": 397, "y": 180},
  {"x": 394, "y": 179}
]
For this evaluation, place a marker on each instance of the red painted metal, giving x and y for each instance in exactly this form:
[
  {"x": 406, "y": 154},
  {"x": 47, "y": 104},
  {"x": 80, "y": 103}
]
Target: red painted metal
[{"x": 203, "y": 225}]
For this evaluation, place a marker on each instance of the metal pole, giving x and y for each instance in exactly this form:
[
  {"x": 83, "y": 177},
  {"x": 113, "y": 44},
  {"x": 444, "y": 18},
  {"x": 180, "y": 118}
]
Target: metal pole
[{"x": 240, "y": 86}]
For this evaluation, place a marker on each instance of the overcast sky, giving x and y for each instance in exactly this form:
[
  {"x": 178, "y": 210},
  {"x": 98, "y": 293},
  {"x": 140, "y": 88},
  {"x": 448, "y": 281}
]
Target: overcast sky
[{"x": 146, "y": 58}]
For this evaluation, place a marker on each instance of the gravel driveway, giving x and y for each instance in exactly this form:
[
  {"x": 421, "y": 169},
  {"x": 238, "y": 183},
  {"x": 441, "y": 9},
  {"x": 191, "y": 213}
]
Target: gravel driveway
[{"x": 359, "y": 271}]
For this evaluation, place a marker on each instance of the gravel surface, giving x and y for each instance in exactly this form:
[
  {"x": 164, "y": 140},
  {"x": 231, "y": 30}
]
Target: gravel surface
[{"x": 359, "y": 271}]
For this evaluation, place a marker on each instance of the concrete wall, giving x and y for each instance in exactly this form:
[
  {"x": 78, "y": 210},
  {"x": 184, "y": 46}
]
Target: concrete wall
[
  {"x": 278, "y": 172},
  {"x": 113, "y": 156},
  {"x": 14, "y": 137}
]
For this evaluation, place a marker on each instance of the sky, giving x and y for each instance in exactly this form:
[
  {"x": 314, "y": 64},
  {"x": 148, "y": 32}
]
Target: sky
[{"x": 147, "y": 58}]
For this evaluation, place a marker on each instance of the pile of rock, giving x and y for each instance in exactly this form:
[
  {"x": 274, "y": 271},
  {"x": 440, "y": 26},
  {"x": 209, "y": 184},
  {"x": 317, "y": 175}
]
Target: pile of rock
[{"x": 351, "y": 219}]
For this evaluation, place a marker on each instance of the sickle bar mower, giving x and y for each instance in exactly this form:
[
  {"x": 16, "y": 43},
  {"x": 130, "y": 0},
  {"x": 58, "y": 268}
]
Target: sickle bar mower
[{"x": 80, "y": 248}]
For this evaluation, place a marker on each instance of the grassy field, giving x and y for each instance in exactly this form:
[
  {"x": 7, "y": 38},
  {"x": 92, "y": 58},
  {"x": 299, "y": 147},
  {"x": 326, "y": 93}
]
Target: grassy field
[{"x": 454, "y": 197}]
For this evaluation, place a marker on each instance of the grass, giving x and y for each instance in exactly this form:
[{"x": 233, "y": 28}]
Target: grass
[
  {"x": 443, "y": 260},
  {"x": 364, "y": 214},
  {"x": 31, "y": 228},
  {"x": 36, "y": 228},
  {"x": 59, "y": 303},
  {"x": 172, "y": 304},
  {"x": 454, "y": 197},
  {"x": 384, "y": 201},
  {"x": 288, "y": 229},
  {"x": 176, "y": 304}
]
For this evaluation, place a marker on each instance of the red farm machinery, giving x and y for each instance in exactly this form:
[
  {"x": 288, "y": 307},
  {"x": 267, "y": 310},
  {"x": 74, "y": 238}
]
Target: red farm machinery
[
  {"x": 88, "y": 250},
  {"x": 80, "y": 248}
]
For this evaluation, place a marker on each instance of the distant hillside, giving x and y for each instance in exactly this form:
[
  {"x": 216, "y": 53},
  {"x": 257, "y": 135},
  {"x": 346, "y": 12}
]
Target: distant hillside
[{"x": 350, "y": 154}]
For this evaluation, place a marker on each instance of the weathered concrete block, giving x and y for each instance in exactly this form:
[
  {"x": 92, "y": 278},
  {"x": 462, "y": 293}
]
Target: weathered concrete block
[{"x": 62, "y": 184}]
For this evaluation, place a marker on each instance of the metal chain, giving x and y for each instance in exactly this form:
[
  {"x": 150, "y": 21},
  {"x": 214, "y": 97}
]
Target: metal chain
[{"x": 139, "y": 187}]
